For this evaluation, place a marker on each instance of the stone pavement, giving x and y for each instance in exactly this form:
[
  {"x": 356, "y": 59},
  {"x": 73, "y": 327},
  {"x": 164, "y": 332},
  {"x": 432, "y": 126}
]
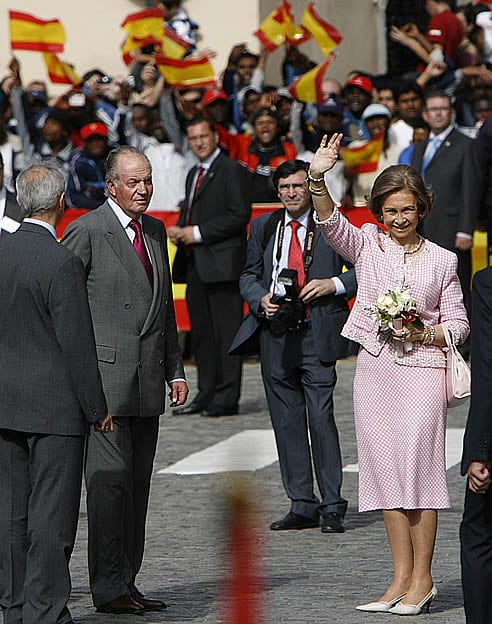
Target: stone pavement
[{"x": 304, "y": 576}]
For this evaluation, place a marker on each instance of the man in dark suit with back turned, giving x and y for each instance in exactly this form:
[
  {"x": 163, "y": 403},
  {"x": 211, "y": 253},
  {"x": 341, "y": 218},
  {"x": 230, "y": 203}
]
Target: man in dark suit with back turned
[
  {"x": 449, "y": 162},
  {"x": 211, "y": 239},
  {"x": 124, "y": 253},
  {"x": 476, "y": 527},
  {"x": 298, "y": 364},
  {"x": 10, "y": 212},
  {"x": 50, "y": 391}
]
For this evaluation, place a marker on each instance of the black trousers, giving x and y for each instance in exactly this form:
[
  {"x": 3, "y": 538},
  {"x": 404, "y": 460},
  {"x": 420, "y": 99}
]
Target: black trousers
[
  {"x": 216, "y": 312},
  {"x": 476, "y": 557},
  {"x": 299, "y": 390},
  {"x": 40, "y": 482},
  {"x": 118, "y": 470}
]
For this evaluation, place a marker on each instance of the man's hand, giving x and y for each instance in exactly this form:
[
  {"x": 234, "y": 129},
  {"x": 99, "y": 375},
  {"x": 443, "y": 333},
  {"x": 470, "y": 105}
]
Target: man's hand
[
  {"x": 267, "y": 306},
  {"x": 178, "y": 393},
  {"x": 105, "y": 425},
  {"x": 183, "y": 235},
  {"x": 463, "y": 242},
  {"x": 317, "y": 288},
  {"x": 479, "y": 477}
]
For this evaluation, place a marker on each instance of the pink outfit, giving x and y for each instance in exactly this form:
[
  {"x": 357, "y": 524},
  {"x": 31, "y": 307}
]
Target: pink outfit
[{"x": 399, "y": 401}]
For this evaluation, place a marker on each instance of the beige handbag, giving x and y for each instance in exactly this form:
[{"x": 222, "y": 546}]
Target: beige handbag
[{"x": 458, "y": 376}]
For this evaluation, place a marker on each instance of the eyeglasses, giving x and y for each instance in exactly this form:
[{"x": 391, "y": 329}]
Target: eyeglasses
[
  {"x": 297, "y": 187},
  {"x": 438, "y": 109}
]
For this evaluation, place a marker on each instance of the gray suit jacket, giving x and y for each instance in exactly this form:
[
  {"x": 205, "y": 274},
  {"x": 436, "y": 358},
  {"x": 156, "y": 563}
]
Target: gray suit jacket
[
  {"x": 328, "y": 314},
  {"x": 134, "y": 324},
  {"x": 455, "y": 174},
  {"x": 50, "y": 383}
]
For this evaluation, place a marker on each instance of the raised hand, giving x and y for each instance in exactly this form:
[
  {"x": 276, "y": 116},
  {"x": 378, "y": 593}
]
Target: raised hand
[{"x": 326, "y": 156}]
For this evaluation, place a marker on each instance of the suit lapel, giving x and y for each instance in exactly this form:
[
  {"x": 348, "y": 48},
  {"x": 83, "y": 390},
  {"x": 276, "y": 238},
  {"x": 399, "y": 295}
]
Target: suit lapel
[
  {"x": 122, "y": 247},
  {"x": 212, "y": 170},
  {"x": 154, "y": 243}
]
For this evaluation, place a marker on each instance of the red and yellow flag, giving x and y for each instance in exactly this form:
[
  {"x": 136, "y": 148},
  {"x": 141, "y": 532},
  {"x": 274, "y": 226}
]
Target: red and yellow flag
[
  {"x": 326, "y": 35},
  {"x": 294, "y": 34},
  {"x": 28, "y": 32},
  {"x": 144, "y": 28},
  {"x": 363, "y": 158},
  {"x": 307, "y": 88},
  {"x": 173, "y": 46},
  {"x": 60, "y": 72},
  {"x": 186, "y": 73},
  {"x": 271, "y": 32}
]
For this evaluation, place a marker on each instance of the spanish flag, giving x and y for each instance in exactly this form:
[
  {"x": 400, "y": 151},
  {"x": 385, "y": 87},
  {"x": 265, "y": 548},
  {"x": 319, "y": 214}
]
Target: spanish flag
[
  {"x": 294, "y": 34},
  {"x": 173, "y": 46},
  {"x": 307, "y": 88},
  {"x": 131, "y": 44},
  {"x": 326, "y": 35},
  {"x": 364, "y": 157},
  {"x": 31, "y": 33},
  {"x": 272, "y": 30},
  {"x": 60, "y": 72},
  {"x": 186, "y": 73},
  {"x": 144, "y": 28}
]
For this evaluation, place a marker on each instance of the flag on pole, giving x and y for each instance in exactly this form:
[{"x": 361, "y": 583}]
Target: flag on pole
[
  {"x": 186, "y": 73},
  {"x": 143, "y": 28},
  {"x": 326, "y": 35},
  {"x": 364, "y": 157},
  {"x": 307, "y": 88},
  {"x": 60, "y": 72},
  {"x": 271, "y": 32},
  {"x": 28, "y": 32}
]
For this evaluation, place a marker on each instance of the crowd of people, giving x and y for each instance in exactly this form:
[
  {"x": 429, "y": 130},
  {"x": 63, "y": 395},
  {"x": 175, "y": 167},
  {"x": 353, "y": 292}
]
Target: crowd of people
[{"x": 401, "y": 221}]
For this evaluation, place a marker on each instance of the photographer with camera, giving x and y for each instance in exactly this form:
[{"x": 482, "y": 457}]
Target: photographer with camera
[{"x": 297, "y": 295}]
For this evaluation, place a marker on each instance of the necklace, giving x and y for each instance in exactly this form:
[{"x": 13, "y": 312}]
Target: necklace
[{"x": 409, "y": 252}]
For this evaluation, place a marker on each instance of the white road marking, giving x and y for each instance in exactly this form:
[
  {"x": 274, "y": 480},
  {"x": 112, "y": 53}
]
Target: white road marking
[
  {"x": 454, "y": 446},
  {"x": 251, "y": 449},
  {"x": 254, "y": 449}
]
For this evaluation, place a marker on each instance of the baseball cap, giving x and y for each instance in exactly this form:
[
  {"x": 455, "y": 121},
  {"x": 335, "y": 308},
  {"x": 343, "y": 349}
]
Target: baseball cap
[
  {"x": 285, "y": 93},
  {"x": 96, "y": 128},
  {"x": 330, "y": 106},
  {"x": 361, "y": 82},
  {"x": 213, "y": 95},
  {"x": 376, "y": 110},
  {"x": 266, "y": 112}
]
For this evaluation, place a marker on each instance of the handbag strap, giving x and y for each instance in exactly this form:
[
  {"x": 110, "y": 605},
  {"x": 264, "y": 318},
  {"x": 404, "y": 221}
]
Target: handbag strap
[{"x": 449, "y": 338}]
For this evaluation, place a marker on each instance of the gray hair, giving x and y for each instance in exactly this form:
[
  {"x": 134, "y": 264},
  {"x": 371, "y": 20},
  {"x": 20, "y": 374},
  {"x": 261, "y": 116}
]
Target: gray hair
[
  {"x": 39, "y": 188},
  {"x": 113, "y": 159}
]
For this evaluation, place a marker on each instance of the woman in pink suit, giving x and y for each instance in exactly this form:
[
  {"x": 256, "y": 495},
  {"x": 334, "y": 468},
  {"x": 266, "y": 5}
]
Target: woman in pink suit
[{"x": 399, "y": 386}]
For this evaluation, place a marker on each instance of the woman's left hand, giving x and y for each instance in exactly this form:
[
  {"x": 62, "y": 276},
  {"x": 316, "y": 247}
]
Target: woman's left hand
[
  {"x": 408, "y": 333},
  {"x": 326, "y": 155}
]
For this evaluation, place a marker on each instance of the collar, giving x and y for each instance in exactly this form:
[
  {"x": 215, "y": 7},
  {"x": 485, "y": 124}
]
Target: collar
[
  {"x": 444, "y": 134},
  {"x": 206, "y": 164},
  {"x": 122, "y": 217},
  {"x": 47, "y": 226},
  {"x": 303, "y": 219}
]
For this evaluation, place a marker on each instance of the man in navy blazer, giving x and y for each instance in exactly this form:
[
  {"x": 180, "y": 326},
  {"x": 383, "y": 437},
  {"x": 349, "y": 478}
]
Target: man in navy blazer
[
  {"x": 50, "y": 391},
  {"x": 298, "y": 366}
]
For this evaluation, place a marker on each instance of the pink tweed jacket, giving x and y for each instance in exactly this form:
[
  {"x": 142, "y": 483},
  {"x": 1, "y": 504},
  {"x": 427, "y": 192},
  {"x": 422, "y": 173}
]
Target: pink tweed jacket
[{"x": 381, "y": 265}]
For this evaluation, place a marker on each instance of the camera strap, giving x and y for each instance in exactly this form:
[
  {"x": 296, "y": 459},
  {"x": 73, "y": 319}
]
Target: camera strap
[{"x": 307, "y": 254}]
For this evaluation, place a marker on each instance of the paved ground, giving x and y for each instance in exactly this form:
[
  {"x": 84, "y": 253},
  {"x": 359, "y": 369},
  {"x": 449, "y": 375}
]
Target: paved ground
[{"x": 304, "y": 577}]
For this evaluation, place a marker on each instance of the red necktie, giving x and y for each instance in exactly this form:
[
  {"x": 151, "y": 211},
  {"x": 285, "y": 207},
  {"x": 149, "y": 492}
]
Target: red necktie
[
  {"x": 296, "y": 260},
  {"x": 139, "y": 246},
  {"x": 199, "y": 180}
]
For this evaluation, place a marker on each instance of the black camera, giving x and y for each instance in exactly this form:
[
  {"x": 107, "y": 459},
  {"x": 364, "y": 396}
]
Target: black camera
[{"x": 292, "y": 310}]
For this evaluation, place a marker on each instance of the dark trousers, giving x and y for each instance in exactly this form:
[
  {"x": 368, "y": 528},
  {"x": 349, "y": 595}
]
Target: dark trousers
[
  {"x": 216, "y": 312},
  {"x": 40, "y": 481},
  {"x": 299, "y": 390},
  {"x": 476, "y": 557},
  {"x": 118, "y": 470}
]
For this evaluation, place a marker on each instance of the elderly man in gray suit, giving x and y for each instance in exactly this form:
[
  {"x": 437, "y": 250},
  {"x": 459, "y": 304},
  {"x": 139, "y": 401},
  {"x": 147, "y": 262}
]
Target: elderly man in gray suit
[
  {"x": 299, "y": 343},
  {"x": 125, "y": 257},
  {"x": 50, "y": 391}
]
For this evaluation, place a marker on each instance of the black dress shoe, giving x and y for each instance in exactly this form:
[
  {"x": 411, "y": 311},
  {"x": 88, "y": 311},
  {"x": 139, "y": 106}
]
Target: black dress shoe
[
  {"x": 215, "y": 412},
  {"x": 332, "y": 523},
  {"x": 293, "y": 521},
  {"x": 123, "y": 604},
  {"x": 149, "y": 604},
  {"x": 192, "y": 408}
]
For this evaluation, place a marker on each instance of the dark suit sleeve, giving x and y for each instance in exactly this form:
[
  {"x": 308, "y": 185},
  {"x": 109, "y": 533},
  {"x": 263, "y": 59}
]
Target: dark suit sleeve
[
  {"x": 235, "y": 195},
  {"x": 252, "y": 281},
  {"x": 348, "y": 280},
  {"x": 71, "y": 316},
  {"x": 478, "y": 435},
  {"x": 473, "y": 181}
]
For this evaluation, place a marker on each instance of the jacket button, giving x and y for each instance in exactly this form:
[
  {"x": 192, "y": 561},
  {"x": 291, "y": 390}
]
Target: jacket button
[
  {"x": 139, "y": 364},
  {"x": 162, "y": 334},
  {"x": 127, "y": 306},
  {"x": 161, "y": 362}
]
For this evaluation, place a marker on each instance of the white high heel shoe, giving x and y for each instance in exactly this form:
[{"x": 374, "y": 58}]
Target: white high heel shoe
[
  {"x": 409, "y": 609},
  {"x": 380, "y": 607}
]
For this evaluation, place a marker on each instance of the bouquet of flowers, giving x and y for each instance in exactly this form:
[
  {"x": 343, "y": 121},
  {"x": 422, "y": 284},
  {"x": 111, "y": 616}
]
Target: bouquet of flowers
[{"x": 394, "y": 309}]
